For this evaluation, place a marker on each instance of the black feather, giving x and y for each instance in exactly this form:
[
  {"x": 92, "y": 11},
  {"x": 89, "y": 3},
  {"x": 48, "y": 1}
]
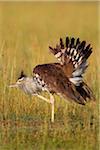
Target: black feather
[
  {"x": 72, "y": 43},
  {"x": 83, "y": 44},
  {"x": 61, "y": 43},
  {"x": 86, "y": 50},
  {"x": 53, "y": 50},
  {"x": 22, "y": 75},
  {"x": 82, "y": 91},
  {"x": 77, "y": 43},
  {"x": 88, "y": 46},
  {"x": 80, "y": 47},
  {"x": 67, "y": 42},
  {"x": 88, "y": 53}
]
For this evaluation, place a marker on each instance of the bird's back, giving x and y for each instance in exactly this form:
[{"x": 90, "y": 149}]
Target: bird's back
[
  {"x": 73, "y": 55},
  {"x": 57, "y": 82}
]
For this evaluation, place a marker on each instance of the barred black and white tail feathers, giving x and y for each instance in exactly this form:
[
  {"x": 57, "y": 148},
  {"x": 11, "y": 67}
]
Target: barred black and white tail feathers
[{"x": 75, "y": 52}]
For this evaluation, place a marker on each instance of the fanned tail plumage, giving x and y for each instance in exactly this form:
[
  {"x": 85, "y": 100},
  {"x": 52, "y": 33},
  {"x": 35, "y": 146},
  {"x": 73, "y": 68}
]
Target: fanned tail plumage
[
  {"x": 85, "y": 91},
  {"x": 73, "y": 57},
  {"x": 74, "y": 51}
]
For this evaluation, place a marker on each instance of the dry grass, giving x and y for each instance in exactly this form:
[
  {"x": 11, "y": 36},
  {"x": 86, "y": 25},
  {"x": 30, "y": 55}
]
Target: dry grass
[{"x": 26, "y": 30}]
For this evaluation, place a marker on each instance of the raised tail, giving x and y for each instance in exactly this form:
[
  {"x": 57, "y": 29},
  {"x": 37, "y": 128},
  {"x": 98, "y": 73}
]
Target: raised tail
[
  {"x": 85, "y": 91},
  {"x": 73, "y": 56}
]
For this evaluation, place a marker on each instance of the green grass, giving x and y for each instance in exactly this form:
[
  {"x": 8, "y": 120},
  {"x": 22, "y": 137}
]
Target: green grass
[{"x": 26, "y": 31}]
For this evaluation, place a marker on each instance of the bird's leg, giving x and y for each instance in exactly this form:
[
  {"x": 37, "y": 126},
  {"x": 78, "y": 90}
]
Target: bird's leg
[
  {"x": 52, "y": 103},
  {"x": 43, "y": 98}
]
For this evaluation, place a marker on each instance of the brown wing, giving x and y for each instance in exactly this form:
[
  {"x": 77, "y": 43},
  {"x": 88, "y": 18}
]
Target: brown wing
[
  {"x": 57, "y": 82},
  {"x": 59, "y": 53},
  {"x": 73, "y": 58}
]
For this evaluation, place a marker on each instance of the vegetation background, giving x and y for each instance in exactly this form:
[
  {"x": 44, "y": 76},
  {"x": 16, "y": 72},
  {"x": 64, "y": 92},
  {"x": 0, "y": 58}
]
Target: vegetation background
[{"x": 26, "y": 31}]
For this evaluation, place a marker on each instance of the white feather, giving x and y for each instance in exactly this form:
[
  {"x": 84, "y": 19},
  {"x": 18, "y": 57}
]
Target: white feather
[
  {"x": 58, "y": 54},
  {"x": 72, "y": 59},
  {"x": 75, "y": 52},
  {"x": 63, "y": 50},
  {"x": 71, "y": 50},
  {"x": 37, "y": 75},
  {"x": 80, "y": 70},
  {"x": 76, "y": 80},
  {"x": 76, "y": 65},
  {"x": 77, "y": 56},
  {"x": 68, "y": 49},
  {"x": 80, "y": 59},
  {"x": 74, "y": 62}
]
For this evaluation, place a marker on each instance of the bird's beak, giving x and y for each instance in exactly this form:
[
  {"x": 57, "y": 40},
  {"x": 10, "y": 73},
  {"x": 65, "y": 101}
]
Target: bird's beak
[{"x": 13, "y": 85}]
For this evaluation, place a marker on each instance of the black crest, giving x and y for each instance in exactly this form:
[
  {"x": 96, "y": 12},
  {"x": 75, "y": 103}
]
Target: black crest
[{"x": 22, "y": 75}]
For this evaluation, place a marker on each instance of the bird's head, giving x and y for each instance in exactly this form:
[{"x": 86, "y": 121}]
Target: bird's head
[{"x": 19, "y": 81}]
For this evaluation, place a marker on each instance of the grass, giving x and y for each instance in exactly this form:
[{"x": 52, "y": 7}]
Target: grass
[{"x": 26, "y": 31}]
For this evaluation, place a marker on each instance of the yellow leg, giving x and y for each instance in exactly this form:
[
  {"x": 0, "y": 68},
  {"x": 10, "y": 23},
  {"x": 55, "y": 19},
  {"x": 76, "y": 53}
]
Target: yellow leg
[
  {"x": 52, "y": 103},
  {"x": 43, "y": 98}
]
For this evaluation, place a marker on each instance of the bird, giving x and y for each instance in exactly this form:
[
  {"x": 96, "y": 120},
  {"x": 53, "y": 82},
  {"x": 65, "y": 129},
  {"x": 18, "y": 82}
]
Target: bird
[{"x": 63, "y": 78}]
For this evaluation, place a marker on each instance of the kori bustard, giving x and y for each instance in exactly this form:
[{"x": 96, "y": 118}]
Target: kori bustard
[{"x": 64, "y": 78}]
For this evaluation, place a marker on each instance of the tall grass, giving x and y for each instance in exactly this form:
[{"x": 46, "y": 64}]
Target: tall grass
[{"x": 26, "y": 31}]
